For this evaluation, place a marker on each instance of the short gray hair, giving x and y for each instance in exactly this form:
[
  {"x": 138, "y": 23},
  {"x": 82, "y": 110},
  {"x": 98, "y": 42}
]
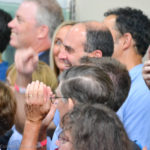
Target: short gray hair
[{"x": 49, "y": 13}]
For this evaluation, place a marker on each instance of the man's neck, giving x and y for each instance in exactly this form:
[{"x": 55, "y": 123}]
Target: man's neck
[
  {"x": 130, "y": 59},
  {"x": 42, "y": 46},
  {"x": 39, "y": 47},
  {"x": 134, "y": 61}
]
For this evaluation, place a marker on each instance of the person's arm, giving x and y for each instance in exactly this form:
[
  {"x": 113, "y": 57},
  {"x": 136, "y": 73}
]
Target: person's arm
[
  {"x": 25, "y": 63},
  {"x": 29, "y": 141},
  {"x": 146, "y": 70},
  {"x": 48, "y": 122},
  {"x": 38, "y": 109}
]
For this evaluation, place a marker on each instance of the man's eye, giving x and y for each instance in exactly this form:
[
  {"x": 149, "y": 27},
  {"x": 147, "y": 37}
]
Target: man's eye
[
  {"x": 69, "y": 49},
  {"x": 19, "y": 19}
]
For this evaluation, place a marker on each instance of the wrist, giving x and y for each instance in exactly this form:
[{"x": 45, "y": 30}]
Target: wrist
[
  {"x": 23, "y": 80},
  {"x": 30, "y": 135},
  {"x": 33, "y": 124},
  {"x": 33, "y": 127},
  {"x": 19, "y": 89}
]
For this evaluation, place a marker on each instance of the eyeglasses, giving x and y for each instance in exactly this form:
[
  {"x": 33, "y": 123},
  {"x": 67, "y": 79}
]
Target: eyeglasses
[
  {"x": 63, "y": 139},
  {"x": 53, "y": 99}
]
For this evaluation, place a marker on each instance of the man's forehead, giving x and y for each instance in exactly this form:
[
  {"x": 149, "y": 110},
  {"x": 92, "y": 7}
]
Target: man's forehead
[
  {"x": 77, "y": 33},
  {"x": 27, "y": 10},
  {"x": 78, "y": 29},
  {"x": 110, "y": 20}
]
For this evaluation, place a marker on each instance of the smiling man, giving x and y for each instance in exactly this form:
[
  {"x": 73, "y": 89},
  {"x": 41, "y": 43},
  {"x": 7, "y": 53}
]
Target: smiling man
[
  {"x": 31, "y": 32},
  {"x": 34, "y": 24},
  {"x": 89, "y": 38}
]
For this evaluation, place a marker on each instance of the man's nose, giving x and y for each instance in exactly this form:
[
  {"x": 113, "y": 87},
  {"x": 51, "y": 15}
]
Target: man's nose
[{"x": 11, "y": 23}]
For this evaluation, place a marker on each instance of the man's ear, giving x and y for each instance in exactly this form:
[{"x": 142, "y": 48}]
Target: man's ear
[
  {"x": 71, "y": 103},
  {"x": 43, "y": 31},
  {"x": 127, "y": 40},
  {"x": 96, "y": 53}
]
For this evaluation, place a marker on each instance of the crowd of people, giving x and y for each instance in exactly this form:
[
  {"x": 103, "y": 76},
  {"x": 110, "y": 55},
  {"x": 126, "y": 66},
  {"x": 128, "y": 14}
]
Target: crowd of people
[{"x": 74, "y": 85}]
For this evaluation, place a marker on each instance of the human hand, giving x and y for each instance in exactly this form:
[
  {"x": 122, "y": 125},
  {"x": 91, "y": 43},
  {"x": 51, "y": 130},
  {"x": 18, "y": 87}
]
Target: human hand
[
  {"x": 144, "y": 148},
  {"x": 37, "y": 101},
  {"x": 26, "y": 60},
  {"x": 146, "y": 70},
  {"x": 49, "y": 117}
]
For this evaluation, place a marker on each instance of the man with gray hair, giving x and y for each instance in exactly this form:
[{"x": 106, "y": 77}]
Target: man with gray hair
[
  {"x": 34, "y": 24},
  {"x": 31, "y": 29}
]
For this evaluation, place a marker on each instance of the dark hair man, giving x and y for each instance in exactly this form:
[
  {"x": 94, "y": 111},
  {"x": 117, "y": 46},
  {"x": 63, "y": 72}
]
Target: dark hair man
[{"x": 131, "y": 33}]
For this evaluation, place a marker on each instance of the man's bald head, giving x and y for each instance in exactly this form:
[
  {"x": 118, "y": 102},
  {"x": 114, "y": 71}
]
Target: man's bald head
[{"x": 88, "y": 38}]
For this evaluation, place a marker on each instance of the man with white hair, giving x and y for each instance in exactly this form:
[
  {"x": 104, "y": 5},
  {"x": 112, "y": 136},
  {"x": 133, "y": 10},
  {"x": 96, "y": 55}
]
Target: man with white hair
[{"x": 32, "y": 28}]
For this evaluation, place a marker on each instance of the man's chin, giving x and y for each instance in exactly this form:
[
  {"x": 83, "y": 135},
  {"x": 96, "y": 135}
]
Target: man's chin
[
  {"x": 67, "y": 67},
  {"x": 64, "y": 68},
  {"x": 13, "y": 44}
]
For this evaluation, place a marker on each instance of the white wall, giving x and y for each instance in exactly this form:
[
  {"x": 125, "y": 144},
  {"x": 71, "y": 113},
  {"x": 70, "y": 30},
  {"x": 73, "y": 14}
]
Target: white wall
[
  {"x": 94, "y": 9},
  {"x": 12, "y": 1}
]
